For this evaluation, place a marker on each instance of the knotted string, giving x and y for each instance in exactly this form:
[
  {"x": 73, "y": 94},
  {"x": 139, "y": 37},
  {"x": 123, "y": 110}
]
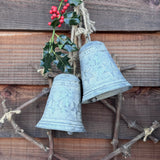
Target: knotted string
[
  {"x": 147, "y": 131},
  {"x": 77, "y": 31},
  {"x": 8, "y": 115}
]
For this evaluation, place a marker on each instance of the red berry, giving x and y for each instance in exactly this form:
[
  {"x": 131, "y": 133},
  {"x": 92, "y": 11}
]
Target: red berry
[
  {"x": 67, "y": 4},
  {"x": 51, "y": 12},
  {"x": 58, "y": 16},
  {"x": 59, "y": 25},
  {"x": 65, "y": 7},
  {"x": 62, "y": 17},
  {"x": 61, "y": 21},
  {"x": 59, "y": 0},
  {"x": 62, "y": 11},
  {"x": 58, "y": 12},
  {"x": 54, "y": 7},
  {"x": 49, "y": 23},
  {"x": 54, "y": 10},
  {"x": 54, "y": 15},
  {"x": 65, "y": 0}
]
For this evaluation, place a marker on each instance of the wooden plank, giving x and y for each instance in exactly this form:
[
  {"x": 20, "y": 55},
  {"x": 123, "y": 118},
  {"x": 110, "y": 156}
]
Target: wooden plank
[
  {"x": 141, "y": 104},
  {"x": 137, "y": 15},
  {"x": 95, "y": 149},
  {"x": 17, "y": 95},
  {"x": 20, "y": 149},
  {"x": 20, "y": 51},
  {"x": 73, "y": 149}
]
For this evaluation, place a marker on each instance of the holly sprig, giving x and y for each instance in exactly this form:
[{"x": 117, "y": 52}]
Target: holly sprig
[{"x": 59, "y": 15}]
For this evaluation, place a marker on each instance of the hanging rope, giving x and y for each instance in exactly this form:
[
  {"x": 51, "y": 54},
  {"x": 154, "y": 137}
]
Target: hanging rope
[
  {"x": 77, "y": 31},
  {"x": 88, "y": 24}
]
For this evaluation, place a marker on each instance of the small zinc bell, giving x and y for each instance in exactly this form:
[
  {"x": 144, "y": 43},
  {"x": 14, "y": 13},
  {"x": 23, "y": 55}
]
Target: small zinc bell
[
  {"x": 101, "y": 78},
  {"x": 63, "y": 108}
]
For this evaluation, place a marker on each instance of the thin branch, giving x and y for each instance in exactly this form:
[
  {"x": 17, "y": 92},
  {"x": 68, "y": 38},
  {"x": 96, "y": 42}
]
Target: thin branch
[
  {"x": 130, "y": 123},
  {"x": 50, "y": 132},
  {"x": 51, "y": 148},
  {"x": 51, "y": 144},
  {"x": 20, "y": 131},
  {"x": 132, "y": 66},
  {"x": 117, "y": 123},
  {"x": 44, "y": 92},
  {"x": 59, "y": 157},
  {"x": 125, "y": 148}
]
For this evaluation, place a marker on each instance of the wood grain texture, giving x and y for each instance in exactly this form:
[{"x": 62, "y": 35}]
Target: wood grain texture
[
  {"x": 115, "y": 15},
  {"x": 17, "y": 95},
  {"x": 20, "y": 51},
  {"x": 95, "y": 149},
  {"x": 141, "y": 104},
  {"x": 73, "y": 149},
  {"x": 20, "y": 149}
]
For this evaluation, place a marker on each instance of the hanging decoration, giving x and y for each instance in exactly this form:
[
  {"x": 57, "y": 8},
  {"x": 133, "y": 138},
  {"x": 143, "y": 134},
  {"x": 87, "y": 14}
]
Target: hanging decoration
[
  {"x": 54, "y": 52},
  {"x": 101, "y": 78},
  {"x": 63, "y": 108}
]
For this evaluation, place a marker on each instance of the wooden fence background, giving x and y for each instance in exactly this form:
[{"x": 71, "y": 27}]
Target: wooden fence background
[{"x": 129, "y": 29}]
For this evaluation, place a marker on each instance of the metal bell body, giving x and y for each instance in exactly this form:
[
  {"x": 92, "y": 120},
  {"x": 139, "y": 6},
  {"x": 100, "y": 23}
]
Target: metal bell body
[
  {"x": 101, "y": 78},
  {"x": 63, "y": 108}
]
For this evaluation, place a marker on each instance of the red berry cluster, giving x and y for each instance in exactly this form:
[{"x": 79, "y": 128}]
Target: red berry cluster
[{"x": 56, "y": 14}]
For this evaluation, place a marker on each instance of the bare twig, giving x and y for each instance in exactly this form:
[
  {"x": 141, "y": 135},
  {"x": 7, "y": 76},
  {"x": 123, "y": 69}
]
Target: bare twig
[
  {"x": 59, "y": 157},
  {"x": 51, "y": 145},
  {"x": 130, "y": 123},
  {"x": 44, "y": 92},
  {"x": 50, "y": 132},
  {"x": 125, "y": 148},
  {"x": 132, "y": 66},
  {"x": 117, "y": 123},
  {"x": 20, "y": 131},
  {"x": 119, "y": 106}
]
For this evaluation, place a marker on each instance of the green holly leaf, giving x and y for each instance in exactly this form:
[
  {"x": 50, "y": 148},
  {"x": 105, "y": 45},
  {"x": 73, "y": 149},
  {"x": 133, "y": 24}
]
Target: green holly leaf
[
  {"x": 48, "y": 56},
  {"x": 70, "y": 47},
  {"x": 62, "y": 40},
  {"x": 71, "y": 18},
  {"x": 74, "y": 2},
  {"x": 55, "y": 23},
  {"x": 61, "y": 61},
  {"x": 66, "y": 44},
  {"x": 46, "y": 62},
  {"x": 47, "y": 49}
]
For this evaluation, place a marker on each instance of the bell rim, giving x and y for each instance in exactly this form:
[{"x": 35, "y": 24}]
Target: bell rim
[
  {"x": 104, "y": 93},
  {"x": 58, "y": 126}
]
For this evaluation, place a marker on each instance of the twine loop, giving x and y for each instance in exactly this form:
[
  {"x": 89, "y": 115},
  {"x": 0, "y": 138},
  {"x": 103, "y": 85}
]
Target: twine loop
[
  {"x": 85, "y": 28},
  {"x": 147, "y": 131},
  {"x": 8, "y": 115}
]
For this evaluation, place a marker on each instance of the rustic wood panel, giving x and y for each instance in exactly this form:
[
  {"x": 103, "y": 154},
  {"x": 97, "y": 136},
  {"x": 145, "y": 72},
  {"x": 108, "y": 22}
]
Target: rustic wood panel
[
  {"x": 95, "y": 149},
  {"x": 137, "y": 15},
  {"x": 17, "y": 95},
  {"x": 20, "y": 51},
  {"x": 73, "y": 149},
  {"x": 141, "y": 104},
  {"x": 20, "y": 149}
]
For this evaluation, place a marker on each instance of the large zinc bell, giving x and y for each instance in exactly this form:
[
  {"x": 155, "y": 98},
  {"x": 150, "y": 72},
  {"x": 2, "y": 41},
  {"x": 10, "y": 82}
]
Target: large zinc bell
[
  {"x": 101, "y": 78},
  {"x": 63, "y": 108}
]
